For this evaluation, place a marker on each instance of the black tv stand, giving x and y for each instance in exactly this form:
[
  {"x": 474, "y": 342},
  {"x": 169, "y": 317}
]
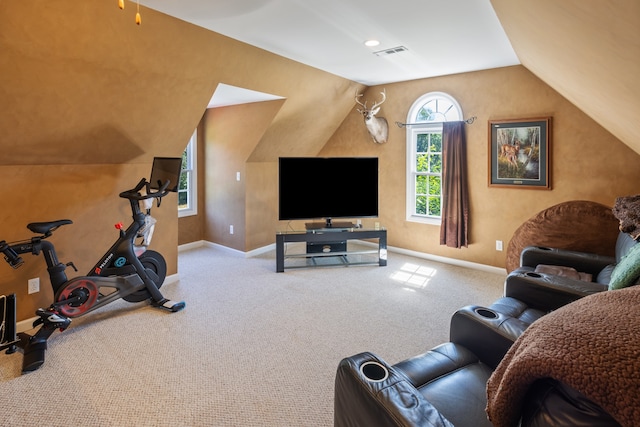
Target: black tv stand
[{"x": 326, "y": 241}]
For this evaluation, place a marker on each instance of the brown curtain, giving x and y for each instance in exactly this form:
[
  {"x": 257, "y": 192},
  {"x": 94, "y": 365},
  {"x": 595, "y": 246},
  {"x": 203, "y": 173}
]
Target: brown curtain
[{"x": 454, "y": 231}]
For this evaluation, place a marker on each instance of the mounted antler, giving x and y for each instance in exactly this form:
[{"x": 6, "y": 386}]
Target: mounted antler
[{"x": 377, "y": 126}]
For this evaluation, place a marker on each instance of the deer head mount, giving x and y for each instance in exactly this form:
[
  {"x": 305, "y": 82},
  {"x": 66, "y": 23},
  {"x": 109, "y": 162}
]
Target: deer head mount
[{"x": 377, "y": 126}]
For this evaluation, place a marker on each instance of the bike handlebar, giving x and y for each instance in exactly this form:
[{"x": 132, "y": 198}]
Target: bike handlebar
[
  {"x": 134, "y": 193},
  {"x": 10, "y": 255}
]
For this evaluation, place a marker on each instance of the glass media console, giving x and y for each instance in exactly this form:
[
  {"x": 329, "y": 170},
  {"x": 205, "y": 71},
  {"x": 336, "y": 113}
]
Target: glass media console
[{"x": 329, "y": 247}]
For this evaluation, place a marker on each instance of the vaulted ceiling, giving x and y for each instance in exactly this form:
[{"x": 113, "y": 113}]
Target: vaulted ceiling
[{"x": 417, "y": 38}]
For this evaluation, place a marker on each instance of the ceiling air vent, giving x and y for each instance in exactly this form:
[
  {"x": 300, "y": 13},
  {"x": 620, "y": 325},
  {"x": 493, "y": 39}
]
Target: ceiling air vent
[{"x": 391, "y": 51}]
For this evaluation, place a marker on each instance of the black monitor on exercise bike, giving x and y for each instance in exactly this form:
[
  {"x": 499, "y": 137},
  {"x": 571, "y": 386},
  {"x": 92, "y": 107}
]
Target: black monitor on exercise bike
[{"x": 166, "y": 169}]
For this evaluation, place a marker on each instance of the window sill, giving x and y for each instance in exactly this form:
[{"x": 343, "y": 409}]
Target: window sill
[
  {"x": 187, "y": 212},
  {"x": 424, "y": 220}
]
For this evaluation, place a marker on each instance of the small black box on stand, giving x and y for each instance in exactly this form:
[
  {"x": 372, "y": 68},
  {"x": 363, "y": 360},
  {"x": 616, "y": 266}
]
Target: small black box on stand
[{"x": 326, "y": 247}]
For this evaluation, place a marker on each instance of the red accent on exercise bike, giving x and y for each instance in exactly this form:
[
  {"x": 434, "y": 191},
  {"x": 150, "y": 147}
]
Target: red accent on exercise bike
[{"x": 119, "y": 226}]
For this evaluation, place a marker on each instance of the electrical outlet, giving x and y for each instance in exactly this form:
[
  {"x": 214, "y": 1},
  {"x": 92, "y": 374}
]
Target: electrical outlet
[
  {"x": 231, "y": 229},
  {"x": 237, "y": 176},
  {"x": 498, "y": 245},
  {"x": 34, "y": 285}
]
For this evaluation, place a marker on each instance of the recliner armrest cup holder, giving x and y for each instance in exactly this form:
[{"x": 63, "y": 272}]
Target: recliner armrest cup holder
[
  {"x": 374, "y": 371},
  {"x": 485, "y": 312},
  {"x": 532, "y": 274},
  {"x": 481, "y": 314}
]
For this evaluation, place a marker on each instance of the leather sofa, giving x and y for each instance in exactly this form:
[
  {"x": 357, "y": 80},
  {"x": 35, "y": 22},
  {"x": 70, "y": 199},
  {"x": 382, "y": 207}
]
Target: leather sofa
[{"x": 446, "y": 386}]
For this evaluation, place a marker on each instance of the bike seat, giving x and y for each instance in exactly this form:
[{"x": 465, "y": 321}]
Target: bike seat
[{"x": 47, "y": 228}]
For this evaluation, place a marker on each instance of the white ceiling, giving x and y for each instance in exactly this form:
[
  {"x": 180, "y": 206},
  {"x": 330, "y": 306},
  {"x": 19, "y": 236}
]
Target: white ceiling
[
  {"x": 441, "y": 37},
  {"x": 231, "y": 95}
]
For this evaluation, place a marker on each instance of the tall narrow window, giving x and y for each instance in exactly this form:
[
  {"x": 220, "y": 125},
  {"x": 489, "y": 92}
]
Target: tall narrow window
[
  {"x": 428, "y": 173},
  {"x": 187, "y": 191},
  {"x": 424, "y": 155}
]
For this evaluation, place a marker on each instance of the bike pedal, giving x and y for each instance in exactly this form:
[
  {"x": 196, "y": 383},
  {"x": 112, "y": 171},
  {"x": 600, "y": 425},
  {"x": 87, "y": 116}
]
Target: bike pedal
[
  {"x": 170, "y": 305},
  {"x": 51, "y": 319}
]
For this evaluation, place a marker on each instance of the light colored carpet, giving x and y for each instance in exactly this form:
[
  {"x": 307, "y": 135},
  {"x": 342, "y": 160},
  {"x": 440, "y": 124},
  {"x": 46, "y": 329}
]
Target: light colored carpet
[{"x": 252, "y": 348}]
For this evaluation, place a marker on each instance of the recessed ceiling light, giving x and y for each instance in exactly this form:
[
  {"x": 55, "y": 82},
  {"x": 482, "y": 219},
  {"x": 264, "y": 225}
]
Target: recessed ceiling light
[{"x": 371, "y": 43}]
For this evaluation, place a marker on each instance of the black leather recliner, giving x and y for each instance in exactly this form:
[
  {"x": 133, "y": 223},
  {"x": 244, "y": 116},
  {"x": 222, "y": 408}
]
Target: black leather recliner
[
  {"x": 565, "y": 288},
  {"x": 447, "y": 385},
  {"x": 431, "y": 388}
]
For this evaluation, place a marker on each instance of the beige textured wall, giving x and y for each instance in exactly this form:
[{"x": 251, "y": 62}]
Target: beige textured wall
[
  {"x": 82, "y": 84},
  {"x": 231, "y": 135},
  {"x": 262, "y": 204},
  {"x": 588, "y": 163}
]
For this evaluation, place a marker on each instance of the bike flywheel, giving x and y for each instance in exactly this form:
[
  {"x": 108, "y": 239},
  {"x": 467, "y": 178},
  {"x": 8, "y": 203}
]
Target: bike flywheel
[{"x": 83, "y": 294}]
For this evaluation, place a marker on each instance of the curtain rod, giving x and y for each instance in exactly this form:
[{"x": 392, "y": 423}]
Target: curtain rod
[{"x": 401, "y": 125}]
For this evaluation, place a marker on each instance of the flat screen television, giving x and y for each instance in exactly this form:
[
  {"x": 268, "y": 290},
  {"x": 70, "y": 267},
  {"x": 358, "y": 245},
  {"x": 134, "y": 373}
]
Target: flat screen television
[{"x": 327, "y": 188}]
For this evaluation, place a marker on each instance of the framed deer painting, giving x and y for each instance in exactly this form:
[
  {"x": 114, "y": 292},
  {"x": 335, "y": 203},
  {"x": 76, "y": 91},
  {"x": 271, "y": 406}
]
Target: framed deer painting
[{"x": 520, "y": 153}]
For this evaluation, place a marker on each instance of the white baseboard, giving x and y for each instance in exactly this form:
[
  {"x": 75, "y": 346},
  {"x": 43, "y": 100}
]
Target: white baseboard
[
  {"x": 202, "y": 243},
  {"x": 451, "y": 261},
  {"x": 173, "y": 278},
  {"x": 25, "y": 325},
  {"x": 262, "y": 250},
  {"x": 224, "y": 248},
  {"x": 192, "y": 245}
]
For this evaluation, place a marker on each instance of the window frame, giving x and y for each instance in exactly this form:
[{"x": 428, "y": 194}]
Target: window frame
[
  {"x": 190, "y": 169},
  {"x": 415, "y": 128}
]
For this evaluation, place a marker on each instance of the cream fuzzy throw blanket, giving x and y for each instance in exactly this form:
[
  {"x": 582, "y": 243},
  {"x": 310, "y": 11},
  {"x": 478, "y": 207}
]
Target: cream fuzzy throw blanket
[{"x": 592, "y": 345}]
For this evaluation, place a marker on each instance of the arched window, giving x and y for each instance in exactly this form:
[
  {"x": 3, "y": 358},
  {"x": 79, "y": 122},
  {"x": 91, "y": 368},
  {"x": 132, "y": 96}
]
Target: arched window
[{"x": 424, "y": 154}]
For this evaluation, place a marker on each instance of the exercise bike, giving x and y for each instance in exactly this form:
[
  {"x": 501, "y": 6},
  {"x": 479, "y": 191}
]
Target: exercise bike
[{"x": 127, "y": 270}]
